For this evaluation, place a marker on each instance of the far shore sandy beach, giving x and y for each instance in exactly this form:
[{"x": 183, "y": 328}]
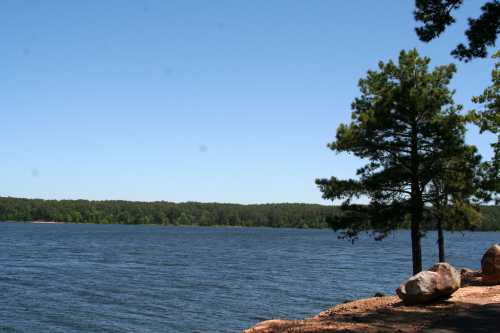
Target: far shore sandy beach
[{"x": 47, "y": 222}]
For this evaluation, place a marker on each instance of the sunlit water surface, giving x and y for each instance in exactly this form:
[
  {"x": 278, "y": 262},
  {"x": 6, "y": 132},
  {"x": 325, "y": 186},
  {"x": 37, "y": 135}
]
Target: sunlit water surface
[{"x": 118, "y": 278}]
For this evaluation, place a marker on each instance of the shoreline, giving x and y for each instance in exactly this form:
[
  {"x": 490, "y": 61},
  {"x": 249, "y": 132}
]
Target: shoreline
[
  {"x": 367, "y": 232},
  {"x": 183, "y": 225},
  {"x": 168, "y": 225},
  {"x": 388, "y": 314},
  {"x": 47, "y": 222}
]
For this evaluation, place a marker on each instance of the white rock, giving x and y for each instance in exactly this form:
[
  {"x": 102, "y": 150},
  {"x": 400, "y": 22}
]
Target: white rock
[{"x": 439, "y": 282}]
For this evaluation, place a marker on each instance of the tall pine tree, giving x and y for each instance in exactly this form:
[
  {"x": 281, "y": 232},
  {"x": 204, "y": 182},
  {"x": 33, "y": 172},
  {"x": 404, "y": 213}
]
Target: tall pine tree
[{"x": 403, "y": 125}]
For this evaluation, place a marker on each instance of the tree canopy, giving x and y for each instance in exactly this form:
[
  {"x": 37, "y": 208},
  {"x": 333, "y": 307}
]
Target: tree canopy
[
  {"x": 286, "y": 215},
  {"x": 166, "y": 213},
  {"x": 487, "y": 117},
  {"x": 452, "y": 193},
  {"x": 437, "y": 15},
  {"x": 405, "y": 124}
]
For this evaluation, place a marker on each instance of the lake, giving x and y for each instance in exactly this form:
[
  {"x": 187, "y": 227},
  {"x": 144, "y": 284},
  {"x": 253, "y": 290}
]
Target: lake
[{"x": 119, "y": 278}]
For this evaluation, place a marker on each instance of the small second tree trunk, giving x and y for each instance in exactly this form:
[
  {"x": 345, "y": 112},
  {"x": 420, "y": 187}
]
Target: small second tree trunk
[{"x": 440, "y": 240}]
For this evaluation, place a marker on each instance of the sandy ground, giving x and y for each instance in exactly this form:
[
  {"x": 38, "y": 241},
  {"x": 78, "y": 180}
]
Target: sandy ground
[
  {"x": 47, "y": 222},
  {"x": 470, "y": 309}
]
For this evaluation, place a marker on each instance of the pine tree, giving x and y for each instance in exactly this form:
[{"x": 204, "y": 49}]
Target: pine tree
[
  {"x": 437, "y": 15},
  {"x": 403, "y": 124},
  {"x": 488, "y": 120}
]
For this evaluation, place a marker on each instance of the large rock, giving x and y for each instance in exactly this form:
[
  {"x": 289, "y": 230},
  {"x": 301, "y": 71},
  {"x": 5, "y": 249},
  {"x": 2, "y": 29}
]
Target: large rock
[
  {"x": 490, "y": 265},
  {"x": 439, "y": 282},
  {"x": 470, "y": 277}
]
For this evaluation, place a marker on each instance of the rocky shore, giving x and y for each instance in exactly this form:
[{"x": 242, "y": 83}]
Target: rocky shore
[{"x": 471, "y": 306}]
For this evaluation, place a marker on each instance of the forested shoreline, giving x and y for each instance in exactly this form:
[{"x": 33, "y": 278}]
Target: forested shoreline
[{"x": 283, "y": 215}]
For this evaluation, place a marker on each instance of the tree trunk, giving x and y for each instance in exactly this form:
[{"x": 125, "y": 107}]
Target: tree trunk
[
  {"x": 440, "y": 239},
  {"x": 416, "y": 247},
  {"x": 417, "y": 211},
  {"x": 417, "y": 204}
]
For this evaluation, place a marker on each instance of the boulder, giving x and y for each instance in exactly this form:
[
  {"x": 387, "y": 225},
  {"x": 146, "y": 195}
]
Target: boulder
[
  {"x": 439, "y": 282},
  {"x": 490, "y": 265},
  {"x": 470, "y": 277}
]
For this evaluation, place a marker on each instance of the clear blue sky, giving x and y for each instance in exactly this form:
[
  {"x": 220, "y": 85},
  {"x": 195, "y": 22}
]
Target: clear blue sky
[{"x": 227, "y": 101}]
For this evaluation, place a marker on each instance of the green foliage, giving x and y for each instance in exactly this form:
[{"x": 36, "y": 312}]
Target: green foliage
[
  {"x": 490, "y": 218},
  {"x": 193, "y": 213},
  {"x": 454, "y": 188},
  {"x": 436, "y": 16},
  {"x": 404, "y": 123},
  {"x": 407, "y": 127},
  {"x": 488, "y": 120},
  {"x": 166, "y": 213}
]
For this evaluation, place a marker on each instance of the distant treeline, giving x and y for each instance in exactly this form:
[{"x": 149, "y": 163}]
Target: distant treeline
[{"x": 283, "y": 215}]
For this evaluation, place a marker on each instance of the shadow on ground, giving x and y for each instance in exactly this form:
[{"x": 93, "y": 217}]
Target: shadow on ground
[
  {"x": 471, "y": 309},
  {"x": 439, "y": 317},
  {"x": 482, "y": 318}
]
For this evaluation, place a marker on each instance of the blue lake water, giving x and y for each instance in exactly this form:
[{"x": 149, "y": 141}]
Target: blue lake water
[{"x": 118, "y": 278}]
